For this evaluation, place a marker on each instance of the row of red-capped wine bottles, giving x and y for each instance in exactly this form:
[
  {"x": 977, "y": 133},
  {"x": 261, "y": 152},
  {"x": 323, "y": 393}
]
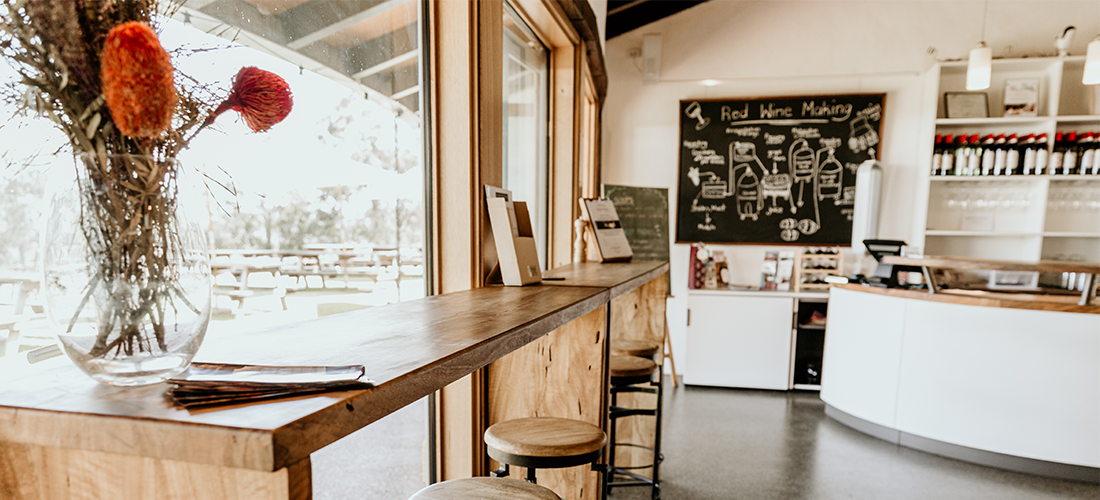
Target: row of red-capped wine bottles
[{"x": 999, "y": 155}]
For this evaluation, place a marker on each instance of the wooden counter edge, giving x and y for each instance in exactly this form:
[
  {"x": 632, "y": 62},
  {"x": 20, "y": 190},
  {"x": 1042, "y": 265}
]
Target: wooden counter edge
[
  {"x": 297, "y": 441},
  {"x": 271, "y": 450},
  {"x": 639, "y": 280},
  {"x": 954, "y": 298}
]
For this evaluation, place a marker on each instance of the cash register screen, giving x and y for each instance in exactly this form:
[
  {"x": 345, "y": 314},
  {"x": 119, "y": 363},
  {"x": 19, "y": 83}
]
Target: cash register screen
[{"x": 881, "y": 248}]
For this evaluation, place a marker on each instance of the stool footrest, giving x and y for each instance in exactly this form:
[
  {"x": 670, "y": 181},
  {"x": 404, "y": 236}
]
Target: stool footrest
[{"x": 617, "y": 412}]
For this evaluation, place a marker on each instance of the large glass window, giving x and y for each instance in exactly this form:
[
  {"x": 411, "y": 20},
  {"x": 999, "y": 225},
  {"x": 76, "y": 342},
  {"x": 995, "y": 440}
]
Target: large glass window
[
  {"x": 332, "y": 197},
  {"x": 526, "y": 116}
]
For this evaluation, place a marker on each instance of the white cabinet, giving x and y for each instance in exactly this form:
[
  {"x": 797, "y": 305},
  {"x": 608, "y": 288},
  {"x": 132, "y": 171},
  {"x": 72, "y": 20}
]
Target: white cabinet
[
  {"x": 736, "y": 340},
  {"x": 1014, "y": 217}
]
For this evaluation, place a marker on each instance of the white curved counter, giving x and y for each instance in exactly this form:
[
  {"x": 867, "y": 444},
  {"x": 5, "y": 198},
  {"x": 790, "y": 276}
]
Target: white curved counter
[{"x": 1010, "y": 387}]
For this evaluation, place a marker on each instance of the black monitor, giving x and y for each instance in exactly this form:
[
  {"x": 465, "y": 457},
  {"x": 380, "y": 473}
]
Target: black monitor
[
  {"x": 881, "y": 248},
  {"x": 887, "y": 273}
]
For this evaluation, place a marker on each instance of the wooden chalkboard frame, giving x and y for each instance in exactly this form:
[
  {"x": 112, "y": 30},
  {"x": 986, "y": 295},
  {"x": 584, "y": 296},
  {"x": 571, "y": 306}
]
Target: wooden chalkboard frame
[{"x": 866, "y": 113}]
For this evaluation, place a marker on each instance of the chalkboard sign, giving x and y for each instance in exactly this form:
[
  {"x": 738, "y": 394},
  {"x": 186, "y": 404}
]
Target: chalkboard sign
[
  {"x": 643, "y": 213},
  {"x": 774, "y": 170}
]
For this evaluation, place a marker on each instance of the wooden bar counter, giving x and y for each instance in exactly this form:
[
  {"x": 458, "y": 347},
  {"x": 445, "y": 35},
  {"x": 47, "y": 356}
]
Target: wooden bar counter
[{"x": 62, "y": 435}]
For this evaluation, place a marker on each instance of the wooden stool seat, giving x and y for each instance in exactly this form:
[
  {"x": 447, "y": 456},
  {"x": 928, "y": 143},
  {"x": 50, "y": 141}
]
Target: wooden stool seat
[
  {"x": 640, "y": 348},
  {"x": 485, "y": 488},
  {"x": 545, "y": 437},
  {"x": 631, "y": 366}
]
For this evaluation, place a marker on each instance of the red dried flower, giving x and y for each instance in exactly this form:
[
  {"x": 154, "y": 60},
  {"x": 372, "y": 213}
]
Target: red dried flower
[
  {"x": 137, "y": 80},
  {"x": 261, "y": 97}
]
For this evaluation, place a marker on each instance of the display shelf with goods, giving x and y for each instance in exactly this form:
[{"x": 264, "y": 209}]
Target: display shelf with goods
[
  {"x": 813, "y": 264},
  {"x": 1028, "y": 213}
]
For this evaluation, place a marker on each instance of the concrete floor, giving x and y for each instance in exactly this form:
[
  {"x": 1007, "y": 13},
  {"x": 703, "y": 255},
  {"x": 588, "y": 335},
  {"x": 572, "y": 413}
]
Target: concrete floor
[
  {"x": 719, "y": 444},
  {"x": 725, "y": 444}
]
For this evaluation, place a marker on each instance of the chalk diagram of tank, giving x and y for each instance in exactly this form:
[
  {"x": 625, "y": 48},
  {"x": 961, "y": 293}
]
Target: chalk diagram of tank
[{"x": 811, "y": 177}]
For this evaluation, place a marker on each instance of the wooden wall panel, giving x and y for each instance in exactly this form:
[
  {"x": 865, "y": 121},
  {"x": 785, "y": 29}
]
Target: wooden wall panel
[
  {"x": 639, "y": 315},
  {"x": 559, "y": 375},
  {"x": 29, "y": 472}
]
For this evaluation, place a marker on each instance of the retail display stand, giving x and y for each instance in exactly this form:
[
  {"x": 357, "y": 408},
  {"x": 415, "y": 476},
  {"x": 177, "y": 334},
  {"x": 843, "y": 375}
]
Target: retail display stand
[
  {"x": 610, "y": 238},
  {"x": 515, "y": 241}
]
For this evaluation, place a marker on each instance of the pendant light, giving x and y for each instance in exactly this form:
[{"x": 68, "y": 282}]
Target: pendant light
[
  {"x": 980, "y": 68},
  {"x": 1092, "y": 63}
]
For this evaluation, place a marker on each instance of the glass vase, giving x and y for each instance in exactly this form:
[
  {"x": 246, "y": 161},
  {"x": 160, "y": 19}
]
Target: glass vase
[{"x": 127, "y": 273}]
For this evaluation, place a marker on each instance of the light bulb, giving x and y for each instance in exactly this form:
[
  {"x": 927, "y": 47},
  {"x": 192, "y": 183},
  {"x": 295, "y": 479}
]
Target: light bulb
[
  {"x": 1092, "y": 63},
  {"x": 980, "y": 67}
]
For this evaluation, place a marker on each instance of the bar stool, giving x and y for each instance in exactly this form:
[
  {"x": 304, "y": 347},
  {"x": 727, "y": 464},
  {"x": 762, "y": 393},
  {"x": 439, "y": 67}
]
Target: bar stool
[
  {"x": 484, "y": 488},
  {"x": 633, "y": 374},
  {"x": 546, "y": 443},
  {"x": 639, "y": 348}
]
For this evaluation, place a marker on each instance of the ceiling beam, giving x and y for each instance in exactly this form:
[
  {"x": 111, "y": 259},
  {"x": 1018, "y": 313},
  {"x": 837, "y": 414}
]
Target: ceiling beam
[
  {"x": 405, "y": 93},
  {"x": 378, "y": 68},
  {"x": 343, "y": 24}
]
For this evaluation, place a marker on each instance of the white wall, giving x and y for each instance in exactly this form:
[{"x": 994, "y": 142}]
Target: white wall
[{"x": 760, "y": 48}]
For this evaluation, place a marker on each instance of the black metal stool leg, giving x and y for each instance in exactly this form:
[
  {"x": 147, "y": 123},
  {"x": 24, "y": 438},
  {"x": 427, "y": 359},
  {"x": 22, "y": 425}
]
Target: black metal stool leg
[
  {"x": 656, "y": 490},
  {"x": 531, "y": 475}
]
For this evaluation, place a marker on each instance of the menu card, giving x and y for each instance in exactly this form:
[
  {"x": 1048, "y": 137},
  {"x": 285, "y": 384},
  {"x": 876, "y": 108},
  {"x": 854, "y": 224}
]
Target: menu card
[
  {"x": 205, "y": 385},
  {"x": 610, "y": 237}
]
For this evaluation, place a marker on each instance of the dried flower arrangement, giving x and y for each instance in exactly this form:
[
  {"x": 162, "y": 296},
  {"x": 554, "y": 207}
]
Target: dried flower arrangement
[{"x": 97, "y": 70}]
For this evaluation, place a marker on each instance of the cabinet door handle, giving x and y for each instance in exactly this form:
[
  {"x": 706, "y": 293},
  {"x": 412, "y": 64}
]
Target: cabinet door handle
[{"x": 689, "y": 317}]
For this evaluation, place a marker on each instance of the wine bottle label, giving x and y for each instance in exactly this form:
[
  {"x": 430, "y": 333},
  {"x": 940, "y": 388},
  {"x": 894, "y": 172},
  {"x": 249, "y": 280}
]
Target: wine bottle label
[
  {"x": 936, "y": 159},
  {"x": 998, "y": 162},
  {"x": 960, "y": 164},
  {"x": 1055, "y": 162},
  {"x": 946, "y": 162},
  {"x": 1042, "y": 161},
  {"x": 1012, "y": 162},
  {"x": 988, "y": 160},
  {"x": 1029, "y": 162},
  {"x": 1069, "y": 160},
  {"x": 1087, "y": 159},
  {"x": 973, "y": 165}
]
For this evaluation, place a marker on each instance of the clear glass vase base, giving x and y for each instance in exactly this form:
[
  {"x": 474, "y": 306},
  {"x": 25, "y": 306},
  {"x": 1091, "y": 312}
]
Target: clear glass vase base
[{"x": 135, "y": 372}]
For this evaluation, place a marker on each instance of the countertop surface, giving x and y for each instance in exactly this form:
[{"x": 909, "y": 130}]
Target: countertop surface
[
  {"x": 409, "y": 349},
  {"x": 1055, "y": 303}
]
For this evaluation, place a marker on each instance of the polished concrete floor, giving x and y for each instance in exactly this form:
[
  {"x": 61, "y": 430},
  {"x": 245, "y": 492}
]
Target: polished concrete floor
[
  {"x": 718, "y": 444},
  {"x": 741, "y": 444}
]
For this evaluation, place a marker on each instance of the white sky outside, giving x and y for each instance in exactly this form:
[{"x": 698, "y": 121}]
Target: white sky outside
[{"x": 287, "y": 158}]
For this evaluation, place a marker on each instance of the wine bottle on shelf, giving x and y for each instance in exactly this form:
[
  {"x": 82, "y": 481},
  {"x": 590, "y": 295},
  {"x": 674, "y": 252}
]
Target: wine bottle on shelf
[
  {"x": 1042, "y": 155},
  {"x": 989, "y": 153},
  {"x": 1012, "y": 156},
  {"x": 937, "y": 154},
  {"x": 947, "y": 156},
  {"x": 1058, "y": 155},
  {"x": 1028, "y": 146},
  {"x": 962, "y": 150},
  {"x": 974, "y": 161},
  {"x": 1087, "y": 154},
  {"x": 1069, "y": 156}
]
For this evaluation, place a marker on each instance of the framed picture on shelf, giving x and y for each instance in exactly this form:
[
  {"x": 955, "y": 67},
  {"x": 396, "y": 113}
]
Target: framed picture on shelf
[
  {"x": 966, "y": 104},
  {"x": 1022, "y": 97}
]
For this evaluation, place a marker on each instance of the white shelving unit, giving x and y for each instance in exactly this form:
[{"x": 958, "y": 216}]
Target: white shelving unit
[{"x": 1014, "y": 217}]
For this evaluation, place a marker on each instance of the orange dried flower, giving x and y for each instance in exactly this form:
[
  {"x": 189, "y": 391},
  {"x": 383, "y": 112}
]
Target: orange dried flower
[
  {"x": 261, "y": 97},
  {"x": 137, "y": 80}
]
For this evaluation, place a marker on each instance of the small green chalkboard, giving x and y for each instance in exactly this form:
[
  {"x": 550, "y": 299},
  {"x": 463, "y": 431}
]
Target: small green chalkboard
[{"x": 643, "y": 213}]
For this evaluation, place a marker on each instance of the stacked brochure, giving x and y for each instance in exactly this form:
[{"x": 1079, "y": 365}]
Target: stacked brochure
[{"x": 204, "y": 385}]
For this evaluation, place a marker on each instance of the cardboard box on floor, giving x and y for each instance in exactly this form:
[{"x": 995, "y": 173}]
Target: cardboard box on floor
[{"x": 515, "y": 241}]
